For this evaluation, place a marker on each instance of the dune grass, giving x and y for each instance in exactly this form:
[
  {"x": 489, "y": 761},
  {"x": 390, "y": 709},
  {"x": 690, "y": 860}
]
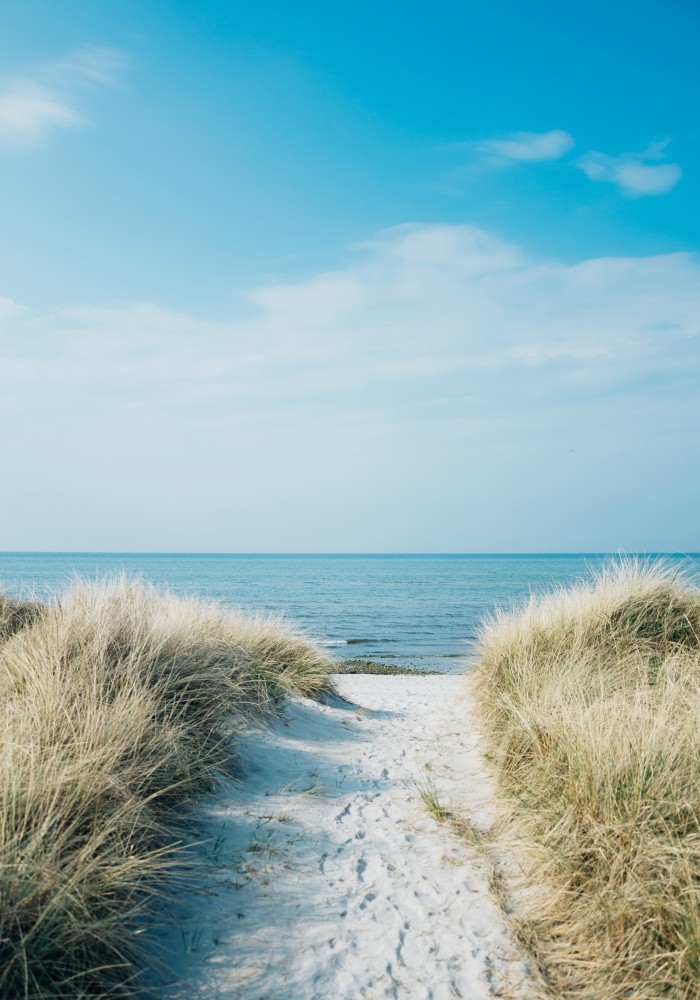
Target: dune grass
[
  {"x": 119, "y": 705},
  {"x": 589, "y": 702}
]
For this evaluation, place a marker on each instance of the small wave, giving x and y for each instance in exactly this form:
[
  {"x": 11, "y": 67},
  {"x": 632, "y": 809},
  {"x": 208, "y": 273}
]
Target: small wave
[{"x": 333, "y": 642}]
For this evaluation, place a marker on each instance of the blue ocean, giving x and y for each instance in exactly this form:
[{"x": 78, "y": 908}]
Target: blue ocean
[{"x": 410, "y": 610}]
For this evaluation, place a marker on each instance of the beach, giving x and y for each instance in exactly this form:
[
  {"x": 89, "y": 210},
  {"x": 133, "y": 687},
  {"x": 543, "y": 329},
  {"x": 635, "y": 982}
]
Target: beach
[
  {"x": 328, "y": 876},
  {"x": 201, "y": 802}
]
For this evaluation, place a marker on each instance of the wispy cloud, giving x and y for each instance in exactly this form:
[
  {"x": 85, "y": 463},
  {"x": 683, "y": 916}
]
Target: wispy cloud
[
  {"x": 95, "y": 64},
  {"x": 34, "y": 105},
  {"x": 493, "y": 313},
  {"x": 29, "y": 111},
  {"x": 526, "y": 147},
  {"x": 10, "y": 309},
  {"x": 635, "y": 174},
  {"x": 441, "y": 356}
]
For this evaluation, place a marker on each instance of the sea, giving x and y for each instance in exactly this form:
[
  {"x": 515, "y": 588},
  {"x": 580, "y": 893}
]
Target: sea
[{"x": 416, "y": 611}]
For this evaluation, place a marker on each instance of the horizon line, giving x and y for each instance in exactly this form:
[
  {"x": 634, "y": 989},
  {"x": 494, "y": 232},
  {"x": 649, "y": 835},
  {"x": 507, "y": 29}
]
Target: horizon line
[{"x": 174, "y": 552}]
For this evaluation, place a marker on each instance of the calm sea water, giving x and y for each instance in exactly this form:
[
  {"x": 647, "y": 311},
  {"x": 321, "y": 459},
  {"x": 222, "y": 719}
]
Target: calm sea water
[{"x": 415, "y": 610}]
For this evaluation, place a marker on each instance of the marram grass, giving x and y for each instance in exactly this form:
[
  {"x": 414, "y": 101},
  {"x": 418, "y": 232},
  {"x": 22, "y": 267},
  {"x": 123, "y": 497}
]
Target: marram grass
[
  {"x": 117, "y": 706},
  {"x": 589, "y": 703}
]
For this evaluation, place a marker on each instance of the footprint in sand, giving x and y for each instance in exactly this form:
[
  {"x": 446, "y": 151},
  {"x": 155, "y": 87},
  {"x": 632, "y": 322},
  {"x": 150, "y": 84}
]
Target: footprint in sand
[{"x": 344, "y": 813}]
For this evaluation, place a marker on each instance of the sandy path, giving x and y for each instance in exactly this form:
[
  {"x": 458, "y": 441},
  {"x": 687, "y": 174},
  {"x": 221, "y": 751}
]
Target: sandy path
[{"x": 328, "y": 879}]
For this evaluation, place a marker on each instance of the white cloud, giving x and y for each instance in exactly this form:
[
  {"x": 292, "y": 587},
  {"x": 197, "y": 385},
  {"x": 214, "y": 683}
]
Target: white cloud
[
  {"x": 635, "y": 174},
  {"x": 28, "y": 111},
  {"x": 426, "y": 311},
  {"x": 436, "y": 392},
  {"x": 31, "y": 107},
  {"x": 526, "y": 147},
  {"x": 10, "y": 309}
]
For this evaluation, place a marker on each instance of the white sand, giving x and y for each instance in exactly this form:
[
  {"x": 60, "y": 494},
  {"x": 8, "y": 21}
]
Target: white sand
[{"x": 327, "y": 877}]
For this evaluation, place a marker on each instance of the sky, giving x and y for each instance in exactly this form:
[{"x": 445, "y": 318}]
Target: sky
[{"x": 359, "y": 277}]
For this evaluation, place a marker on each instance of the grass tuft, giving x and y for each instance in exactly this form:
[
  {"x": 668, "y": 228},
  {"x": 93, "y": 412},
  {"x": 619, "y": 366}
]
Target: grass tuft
[
  {"x": 119, "y": 704},
  {"x": 589, "y": 701},
  {"x": 430, "y": 797}
]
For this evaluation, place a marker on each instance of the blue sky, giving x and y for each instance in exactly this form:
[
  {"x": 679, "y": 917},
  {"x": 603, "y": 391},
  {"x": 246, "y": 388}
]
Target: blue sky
[{"x": 315, "y": 277}]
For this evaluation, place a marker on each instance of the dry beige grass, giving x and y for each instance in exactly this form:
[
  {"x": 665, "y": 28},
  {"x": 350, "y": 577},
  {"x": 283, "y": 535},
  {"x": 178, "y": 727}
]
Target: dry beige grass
[
  {"x": 590, "y": 707},
  {"x": 118, "y": 705}
]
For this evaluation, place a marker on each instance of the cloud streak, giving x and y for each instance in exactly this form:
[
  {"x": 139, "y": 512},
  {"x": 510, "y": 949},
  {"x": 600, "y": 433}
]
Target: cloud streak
[
  {"x": 526, "y": 147},
  {"x": 636, "y": 175},
  {"x": 32, "y": 107}
]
